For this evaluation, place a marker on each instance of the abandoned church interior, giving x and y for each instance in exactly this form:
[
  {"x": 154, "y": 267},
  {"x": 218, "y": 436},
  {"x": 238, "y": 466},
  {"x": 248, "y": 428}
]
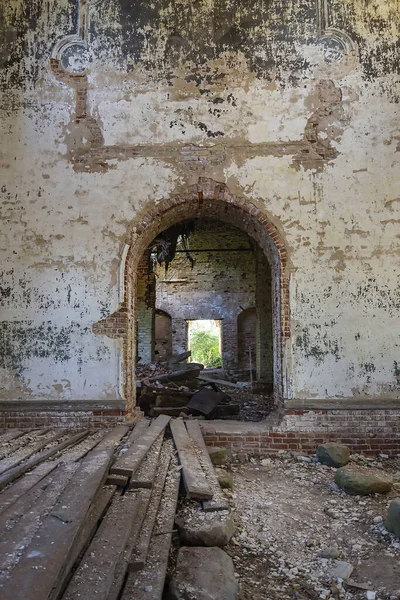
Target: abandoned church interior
[{"x": 200, "y": 288}]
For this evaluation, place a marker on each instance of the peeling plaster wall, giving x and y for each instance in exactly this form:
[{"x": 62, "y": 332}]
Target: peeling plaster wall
[{"x": 294, "y": 105}]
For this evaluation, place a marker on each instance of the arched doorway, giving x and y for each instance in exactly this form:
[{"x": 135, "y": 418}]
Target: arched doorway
[{"x": 206, "y": 199}]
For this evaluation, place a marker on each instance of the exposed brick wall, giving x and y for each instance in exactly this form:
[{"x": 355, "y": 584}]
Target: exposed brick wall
[
  {"x": 364, "y": 431},
  {"x": 93, "y": 419},
  {"x": 145, "y": 309},
  {"x": 206, "y": 199},
  {"x": 220, "y": 283},
  {"x": 246, "y": 337}
]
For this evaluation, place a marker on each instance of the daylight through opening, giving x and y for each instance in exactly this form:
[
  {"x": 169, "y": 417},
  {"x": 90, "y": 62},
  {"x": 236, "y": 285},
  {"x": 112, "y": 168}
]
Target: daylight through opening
[{"x": 204, "y": 317}]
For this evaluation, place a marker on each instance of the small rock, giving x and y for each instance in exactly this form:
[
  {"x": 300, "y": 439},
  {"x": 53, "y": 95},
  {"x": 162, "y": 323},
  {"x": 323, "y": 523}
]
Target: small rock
[
  {"x": 211, "y": 530},
  {"x": 225, "y": 479},
  {"x": 378, "y": 519},
  {"x": 341, "y": 570},
  {"x": 266, "y": 462},
  {"x": 392, "y": 521},
  {"x": 204, "y": 574},
  {"x": 370, "y": 595},
  {"x": 362, "y": 481},
  {"x": 333, "y": 455},
  {"x": 218, "y": 456},
  {"x": 242, "y": 457},
  {"x": 330, "y": 553}
]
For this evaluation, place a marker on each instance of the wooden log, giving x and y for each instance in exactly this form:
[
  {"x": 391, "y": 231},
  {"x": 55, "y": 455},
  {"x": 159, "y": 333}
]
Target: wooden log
[
  {"x": 218, "y": 501},
  {"x": 140, "y": 552},
  {"x": 148, "y": 584},
  {"x": 145, "y": 474},
  {"x": 127, "y": 465},
  {"x": 19, "y": 470},
  {"x": 94, "y": 577},
  {"x": 28, "y": 450},
  {"x": 43, "y": 569},
  {"x": 194, "y": 478}
]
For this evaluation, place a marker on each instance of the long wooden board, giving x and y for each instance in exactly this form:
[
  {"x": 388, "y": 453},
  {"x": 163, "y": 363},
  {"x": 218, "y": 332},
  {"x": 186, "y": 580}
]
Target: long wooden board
[
  {"x": 32, "y": 478},
  {"x": 140, "y": 552},
  {"x": 94, "y": 577},
  {"x": 36, "y": 445},
  {"x": 96, "y": 512},
  {"x": 218, "y": 501},
  {"x": 194, "y": 478},
  {"x": 43, "y": 567},
  {"x": 122, "y": 565},
  {"x": 144, "y": 476},
  {"x": 12, "y": 434},
  {"x": 127, "y": 465},
  {"x": 20, "y": 469},
  {"x": 148, "y": 584},
  {"x": 19, "y": 536}
]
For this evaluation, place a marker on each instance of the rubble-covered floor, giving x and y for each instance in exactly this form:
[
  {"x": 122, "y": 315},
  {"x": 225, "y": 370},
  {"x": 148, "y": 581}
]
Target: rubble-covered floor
[{"x": 288, "y": 511}]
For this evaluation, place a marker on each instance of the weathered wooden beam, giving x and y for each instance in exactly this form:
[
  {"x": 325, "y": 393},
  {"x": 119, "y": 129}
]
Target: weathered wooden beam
[
  {"x": 42, "y": 570},
  {"x": 94, "y": 577},
  {"x": 140, "y": 552},
  {"x": 148, "y": 583},
  {"x": 40, "y": 457},
  {"x": 218, "y": 501},
  {"x": 194, "y": 478},
  {"x": 127, "y": 465}
]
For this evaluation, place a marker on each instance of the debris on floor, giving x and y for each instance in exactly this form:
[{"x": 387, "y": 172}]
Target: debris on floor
[
  {"x": 178, "y": 390},
  {"x": 133, "y": 512}
]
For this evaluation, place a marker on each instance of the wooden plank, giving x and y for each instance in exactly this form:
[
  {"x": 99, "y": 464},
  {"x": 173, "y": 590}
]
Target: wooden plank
[
  {"x": 122, "y": 565},
  {"x": 127, "y": 465},
  {"x": 45, "y": 567},
  {"x": 148, "y": 584},
  {"x": 26, "y": 452},
  {"x": 218, "y": 381},
  {"x": 194, "y": 478},
  {"x": 12, "y": 434},
  {"x": 144, "y": 476},
  {"x": 177, "y": 358},
  {"x": 146, "y": 472},
  {"x": 218, "y": 501},
  {"x": 156, "y": 411},
  {"x": 96, "y": 512},
  {"x": 14, "y": 540},
  {"x": 139, "y": 429},
  {"x": 189, "y": 373},
  {"x": 20, "y": 469},
  {"x": 118, "y": 480},
  {"x": 140, "y": 552},
  {"x": 23, "y": 485},
  {"x": 29, "y": 480},
  {"x": 94, "y": 577}
]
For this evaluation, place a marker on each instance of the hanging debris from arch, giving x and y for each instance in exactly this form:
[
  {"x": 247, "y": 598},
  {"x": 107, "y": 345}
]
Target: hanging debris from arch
[{"x": 164, "y": 245}]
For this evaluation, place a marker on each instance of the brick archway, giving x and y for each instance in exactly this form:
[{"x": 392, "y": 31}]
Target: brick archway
[{"x": 209, "y": 199}]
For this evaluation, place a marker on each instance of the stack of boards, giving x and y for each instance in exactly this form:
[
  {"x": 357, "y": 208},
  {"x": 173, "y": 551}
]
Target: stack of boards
[{"x": 90, "y": 515}]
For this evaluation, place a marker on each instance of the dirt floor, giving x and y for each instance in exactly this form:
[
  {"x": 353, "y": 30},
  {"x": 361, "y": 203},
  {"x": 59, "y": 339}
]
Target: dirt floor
[{"x": 289, "y": 510}]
